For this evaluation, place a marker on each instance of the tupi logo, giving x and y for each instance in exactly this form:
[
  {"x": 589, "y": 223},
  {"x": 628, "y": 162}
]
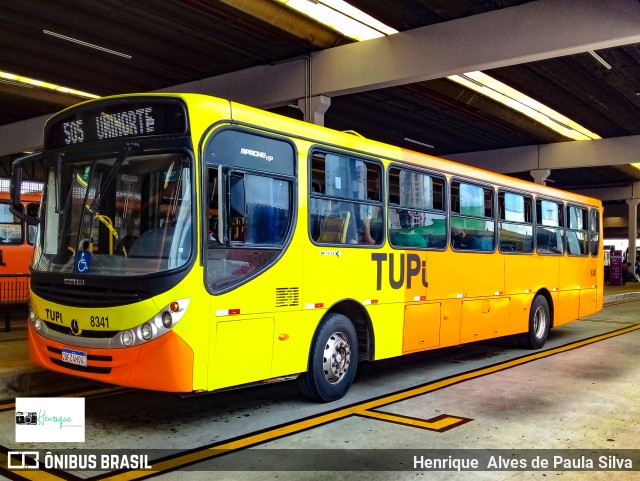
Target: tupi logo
[{"x": 407, "y": 270}]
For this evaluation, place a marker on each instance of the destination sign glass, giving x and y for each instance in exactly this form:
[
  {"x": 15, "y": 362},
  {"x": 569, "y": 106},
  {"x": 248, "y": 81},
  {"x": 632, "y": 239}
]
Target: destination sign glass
[{"x": 107, "y": 121}]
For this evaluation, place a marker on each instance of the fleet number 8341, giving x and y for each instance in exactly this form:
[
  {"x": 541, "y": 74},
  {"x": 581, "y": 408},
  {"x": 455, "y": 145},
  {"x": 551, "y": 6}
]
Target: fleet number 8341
[{"x": 99, "y": 321}]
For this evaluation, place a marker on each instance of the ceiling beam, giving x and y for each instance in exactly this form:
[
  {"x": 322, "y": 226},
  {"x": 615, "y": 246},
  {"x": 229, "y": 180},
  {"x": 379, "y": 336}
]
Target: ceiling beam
[
  {"x": 561, "y": 155},
  {"x": 623, "y": 192}
]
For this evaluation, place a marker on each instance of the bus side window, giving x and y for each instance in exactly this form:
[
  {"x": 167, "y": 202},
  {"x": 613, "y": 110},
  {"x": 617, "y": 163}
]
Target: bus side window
[
  {"x": 256, "y": 224},
  {"x": 472, "y": 223},
  {"x": 259, "y": 209},
  {"x": 515, "y": 228},
  {"x": 237, "y": 208},
  {"x": 577, "y": 231},
  {"x": 594, "y": 232},
  {"x": 417, "y": 217},
  {"x": 549, "y": 227},
  {"x": 345, "y": 205},
  {"x": 212, "y": 205},
  {"x": 10, "y": 226}
]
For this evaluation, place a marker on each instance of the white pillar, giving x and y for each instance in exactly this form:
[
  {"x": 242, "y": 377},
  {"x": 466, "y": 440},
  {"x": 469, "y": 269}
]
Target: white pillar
[
  {"x": 633, "y": 232},
  {"x": 540, "y": 175},
  {"x": 317, "y": 106}
]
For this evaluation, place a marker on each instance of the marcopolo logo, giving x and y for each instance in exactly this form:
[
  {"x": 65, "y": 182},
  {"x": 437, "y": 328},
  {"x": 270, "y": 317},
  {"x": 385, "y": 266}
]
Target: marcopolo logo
[{"x": 50, "y": 419}]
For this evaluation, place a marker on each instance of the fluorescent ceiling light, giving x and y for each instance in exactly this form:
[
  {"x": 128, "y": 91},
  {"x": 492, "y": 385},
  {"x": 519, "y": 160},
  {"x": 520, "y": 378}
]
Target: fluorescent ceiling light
[
  {"x": 18, "y": 84},
  {"x": 424, "y": 144},
  {"x": 342, "y": 17},
  {"x": 22, "y": 81},
  {"x": 512, "y": 98},
  {"x": 600, "y": 60},
  {"x": 86, "y": 44}
]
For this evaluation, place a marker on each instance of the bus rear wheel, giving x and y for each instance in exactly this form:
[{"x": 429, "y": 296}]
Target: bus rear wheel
[
  {"x": 539, "y": 325},
  {"x": 333, "y": 360}
]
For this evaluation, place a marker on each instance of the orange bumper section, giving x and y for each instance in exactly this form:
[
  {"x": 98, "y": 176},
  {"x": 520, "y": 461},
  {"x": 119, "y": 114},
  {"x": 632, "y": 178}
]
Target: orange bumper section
[{"x": 164, "y": 364}]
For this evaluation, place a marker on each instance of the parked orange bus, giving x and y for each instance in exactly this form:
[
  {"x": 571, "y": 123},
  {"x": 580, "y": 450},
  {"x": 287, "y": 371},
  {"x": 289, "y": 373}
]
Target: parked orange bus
[{"x": 16, "y": 247}]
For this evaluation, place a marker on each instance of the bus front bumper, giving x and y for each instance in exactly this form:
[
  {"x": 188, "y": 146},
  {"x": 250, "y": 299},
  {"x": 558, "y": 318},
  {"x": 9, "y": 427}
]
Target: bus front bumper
[{"x": 163, "y": 364}]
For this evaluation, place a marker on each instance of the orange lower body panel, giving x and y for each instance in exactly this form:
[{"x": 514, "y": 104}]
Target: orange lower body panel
[{"x": 164, "y": 364}]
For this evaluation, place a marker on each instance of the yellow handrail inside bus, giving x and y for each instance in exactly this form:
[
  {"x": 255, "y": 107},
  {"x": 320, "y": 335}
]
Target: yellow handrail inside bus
[{"x": 108, "y": 223}]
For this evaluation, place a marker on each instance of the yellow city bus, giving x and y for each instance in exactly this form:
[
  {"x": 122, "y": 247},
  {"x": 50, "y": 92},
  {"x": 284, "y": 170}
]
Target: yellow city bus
[{"x": 187, "y": 243}]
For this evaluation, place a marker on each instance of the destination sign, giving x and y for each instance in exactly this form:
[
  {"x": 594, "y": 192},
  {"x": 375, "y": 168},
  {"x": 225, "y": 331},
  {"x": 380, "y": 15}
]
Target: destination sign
[{"x": 107, "y": 121}]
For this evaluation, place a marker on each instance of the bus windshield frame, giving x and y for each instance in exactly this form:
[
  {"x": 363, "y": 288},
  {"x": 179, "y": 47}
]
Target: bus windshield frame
[{"x": 128, "y": 214}]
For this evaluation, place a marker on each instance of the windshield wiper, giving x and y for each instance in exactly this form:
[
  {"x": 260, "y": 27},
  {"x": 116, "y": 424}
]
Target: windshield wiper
[{"x": 122, "y": 156}]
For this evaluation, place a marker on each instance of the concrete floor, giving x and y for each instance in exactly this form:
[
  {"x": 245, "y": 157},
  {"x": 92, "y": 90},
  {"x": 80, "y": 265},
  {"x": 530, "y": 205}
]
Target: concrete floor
[{"x": 582, "y": 399}]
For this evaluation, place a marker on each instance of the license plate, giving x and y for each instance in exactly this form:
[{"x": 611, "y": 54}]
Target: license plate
[{"x": 74, "y": 357}]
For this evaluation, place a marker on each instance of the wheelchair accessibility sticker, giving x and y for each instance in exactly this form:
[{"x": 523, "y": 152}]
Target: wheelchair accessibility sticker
[{"x": 83, "y": 262}]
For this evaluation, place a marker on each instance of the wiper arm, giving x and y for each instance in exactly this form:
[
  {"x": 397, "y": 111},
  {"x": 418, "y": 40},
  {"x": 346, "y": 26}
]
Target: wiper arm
[{"x": 122, "y": 156}]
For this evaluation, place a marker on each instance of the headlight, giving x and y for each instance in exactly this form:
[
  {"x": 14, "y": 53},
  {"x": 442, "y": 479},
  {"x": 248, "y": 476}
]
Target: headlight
[
  {"x": 161, "y": 323},
  {"x": 146, "y": 331},
  {"x": 167, "y": 319},
  {"x": 37, "y": 324},
  {"x": 127, "y": 338}
]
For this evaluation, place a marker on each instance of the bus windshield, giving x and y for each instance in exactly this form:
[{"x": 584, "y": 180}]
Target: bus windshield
[{"x": 116, "y": 216}]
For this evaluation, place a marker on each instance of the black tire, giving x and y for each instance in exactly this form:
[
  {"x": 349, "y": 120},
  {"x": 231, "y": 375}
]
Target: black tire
[
  {"x": 539, "y": 325},
  {"x": 333, "y": 360}
]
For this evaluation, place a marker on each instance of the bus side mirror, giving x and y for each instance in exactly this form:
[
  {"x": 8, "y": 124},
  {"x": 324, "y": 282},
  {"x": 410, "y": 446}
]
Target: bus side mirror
[{"x": 15, "y": 188}]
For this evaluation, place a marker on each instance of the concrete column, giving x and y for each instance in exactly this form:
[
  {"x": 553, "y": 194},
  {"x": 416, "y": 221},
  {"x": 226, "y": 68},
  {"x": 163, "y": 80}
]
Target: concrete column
[
  {"x": 315, "y": 108},
  {"x": 540, "y": 175},
  {"x": 633, "y": 232}
]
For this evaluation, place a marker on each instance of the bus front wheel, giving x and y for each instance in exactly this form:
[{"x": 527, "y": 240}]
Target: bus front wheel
[
  {"x": 539, "y": 325},
  {"x": 333, "y": 360}
]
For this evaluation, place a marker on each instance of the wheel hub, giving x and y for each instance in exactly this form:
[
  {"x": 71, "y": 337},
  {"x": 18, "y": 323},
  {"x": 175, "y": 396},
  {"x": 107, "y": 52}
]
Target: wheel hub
[
  {"x": 336, "y": 357},
  {"x": 540, "y": 322}
]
